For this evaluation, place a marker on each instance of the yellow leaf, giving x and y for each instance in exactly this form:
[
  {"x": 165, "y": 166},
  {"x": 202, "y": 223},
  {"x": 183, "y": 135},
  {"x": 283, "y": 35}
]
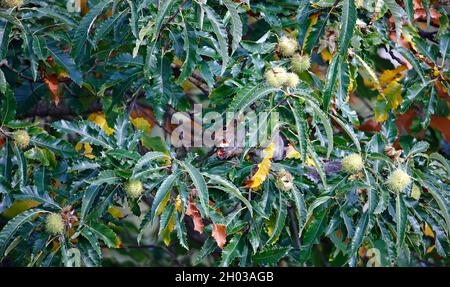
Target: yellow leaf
[
  {"x": 408, "y": 37},
  {"x": 428, "y": 231},
  {"x": 19, "y": 206},
  {"x": 163, "y": 204},
  {"x": 393, "y": 93},
  {"x": 392, "y": 75},
  {"x": 87, "y": 149},
  {"x": 116, "y": 213},
  {"x": 263, "y": 168},
  {"x": 178, "y": 204},
  {"x": 326, "y": 55},
  {"x": 291, "y": 152},
  {"x": 388, "y": 100},
  {"x": 430, "y": 249},
  {"x": 169, "y": 228},
  {"x": 141, "y": 124},
  {"x": 309, "y": 161},
  {"x": 100, "y": 120}
]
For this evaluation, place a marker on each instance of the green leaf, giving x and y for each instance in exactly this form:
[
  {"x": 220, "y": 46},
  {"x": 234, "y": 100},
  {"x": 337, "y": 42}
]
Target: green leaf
[
  {"x": 348, "y": 21},
  {"x": 301, "y": 209},
  {"x": 199, "y": 183},
  {"x": 414, "y": 93},
  {"x": 413, "y": 61},
  {"x": 221, "y": 34},
  {"x": 22, "y": 165},
  {"x": 8, "y": 104},
  {"x": 419, "y": 147},
  {"x": 84, "y": 130},
  {"x": 230, "y": 251},
  {"x": 161, "y": 193},
  {"x": 89, "y": 235},
  {"x": 148, "y": 158},
  {"x": 10, "y": 229},
  {"x": 443, "y": 46},
  {"x": 349, "y": 131},
  {"x": 56, "y": 13},
  {"x": 318, "y": 165},
  {"x": 397, "y": 13},
  {"x": 382, "y": 201},
  {"x": 31, "y": 193},
  {"x": 56, "y": 145},
  {"x": 430, "y": 108},
  {"x": 108, "y": 176},
  {"x": 326, "y": 124},
  {"x": 209, "y": 246},
  {"x": 439, "y": 158},
  {"x": 163, "y": 10},
  {"x": 28, "y": 48},
  {"x": 230, "y": 188},
  {"x": 84, "y": 27},
  {"x": 249, "y": 94},
  {"x": 88, "y": 200},
  {"x": 190, "y": 49},
  {"x": 409, "y": 7},
  {"x": 106, "y": 26},
  {"x": 441, "y": 201},
  {"x": 270, "y": 256},
  {"x": 343, "y": 79},
  {"x": 181, "y": 231},
  {"x": 300, "y": 122},
  {"x": 387, "y": 239},
  {"x": 400, "y": 220},
  {"x": 236, "y": 24},
  {"x": 316, "y": 203},
  {"x": 330, "y": 82},
  {"x": 280, "y": 221},
  {"x": 104, "y": 233},
  {"x": 134, "y": 25},
  {"x": 65, "y": 61},
  {"x": 312, "y": 233},
  {"x": 4, "y": 39},
  {"x": 358, "y": 237}
]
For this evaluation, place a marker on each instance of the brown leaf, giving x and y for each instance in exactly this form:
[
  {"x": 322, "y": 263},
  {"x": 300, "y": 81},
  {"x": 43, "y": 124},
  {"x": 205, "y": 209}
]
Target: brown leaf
[
  {"x": 84, "y": 7},
  {"x": 219, "y": 232},
  {"x": 193, "y": 212},
  {"x": 442, "y": 124},
  {"x": 2, "y": 142},
  {"x": 404, "y": 121},
  {"x": 370, "y": 126},
  {"x": 53, "y": 86}
]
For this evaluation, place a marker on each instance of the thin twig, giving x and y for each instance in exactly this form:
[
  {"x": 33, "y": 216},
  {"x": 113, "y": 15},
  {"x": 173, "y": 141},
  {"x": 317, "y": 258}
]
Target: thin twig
[{"x": 4, "y": 63}]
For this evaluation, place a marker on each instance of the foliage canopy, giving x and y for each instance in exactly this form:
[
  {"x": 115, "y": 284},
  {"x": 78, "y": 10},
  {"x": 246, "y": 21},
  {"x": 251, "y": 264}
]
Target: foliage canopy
[{"x": 361, "y": 162}]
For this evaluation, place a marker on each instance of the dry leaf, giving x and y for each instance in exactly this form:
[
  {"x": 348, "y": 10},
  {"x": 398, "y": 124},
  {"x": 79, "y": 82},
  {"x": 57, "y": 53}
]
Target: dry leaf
[
  {"x": 193, "y": 212},
  {"x": 53, "y": 86},
  {"x": 219, "y": 232}
]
